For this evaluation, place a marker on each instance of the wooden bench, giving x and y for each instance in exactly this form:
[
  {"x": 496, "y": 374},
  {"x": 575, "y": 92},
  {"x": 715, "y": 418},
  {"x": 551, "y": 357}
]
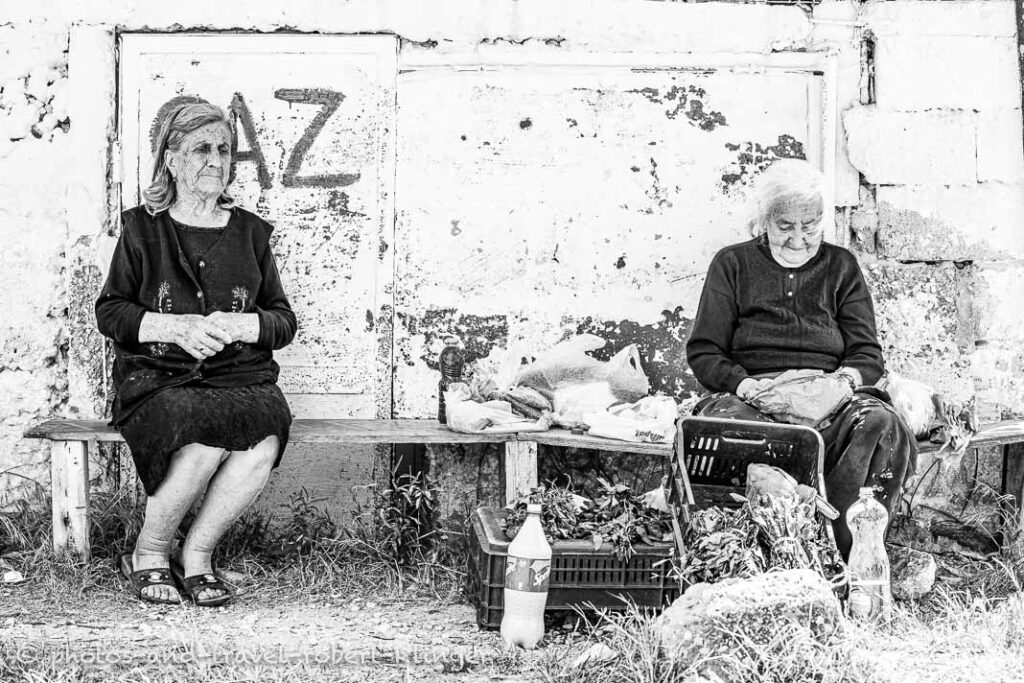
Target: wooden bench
[
  {"x": 69, "y": 462},
  {"x": 70, "y": 441}
]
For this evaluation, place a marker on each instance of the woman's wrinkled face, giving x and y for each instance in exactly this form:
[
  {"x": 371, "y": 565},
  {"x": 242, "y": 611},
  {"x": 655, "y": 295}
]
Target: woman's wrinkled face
[
  {"x": 794, "y": 233},
  {"x": 202, "y": 164}
]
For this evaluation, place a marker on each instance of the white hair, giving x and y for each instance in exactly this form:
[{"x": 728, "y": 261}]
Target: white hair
[{"x": 786, "y": 183}]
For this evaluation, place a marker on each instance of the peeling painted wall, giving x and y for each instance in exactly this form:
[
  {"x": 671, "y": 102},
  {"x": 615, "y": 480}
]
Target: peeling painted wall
[
  {"x": 33, "y": 140},
  {"x": 541, "y": 202},
  {"x": 552, "y": 176}
]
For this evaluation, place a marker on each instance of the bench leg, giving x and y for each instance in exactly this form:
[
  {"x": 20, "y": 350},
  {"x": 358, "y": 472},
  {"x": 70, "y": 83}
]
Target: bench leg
[
  {"x": 520, "y": 468},
  {"x": 69, "y": 482},
  {"x": 1013, "y": 481}
]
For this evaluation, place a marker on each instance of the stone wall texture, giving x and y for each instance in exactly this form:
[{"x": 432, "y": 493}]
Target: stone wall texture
[{"x": 543, "y": 186}]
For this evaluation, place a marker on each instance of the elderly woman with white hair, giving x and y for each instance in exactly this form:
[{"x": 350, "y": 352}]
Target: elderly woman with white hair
[
  {"x": 788, "y": 300},
  {"x": 195, "y": 307}
]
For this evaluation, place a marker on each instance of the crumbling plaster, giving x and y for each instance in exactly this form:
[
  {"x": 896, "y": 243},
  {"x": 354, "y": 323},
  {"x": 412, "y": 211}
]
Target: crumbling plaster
[{"x": 932, "y": 157}]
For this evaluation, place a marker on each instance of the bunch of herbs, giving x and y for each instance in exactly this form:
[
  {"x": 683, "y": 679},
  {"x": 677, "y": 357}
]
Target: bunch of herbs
[
  {"x": 616, "y": 516},
  {"x": 771, "y": 533}
]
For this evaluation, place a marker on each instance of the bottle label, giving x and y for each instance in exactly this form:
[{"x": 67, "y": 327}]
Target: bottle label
[{"x": 525, "y": 574}]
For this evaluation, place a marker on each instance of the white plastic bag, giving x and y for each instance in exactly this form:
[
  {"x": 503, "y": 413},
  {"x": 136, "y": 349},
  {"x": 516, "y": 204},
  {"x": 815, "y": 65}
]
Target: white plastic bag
[
  {"x": 651, "y": 420},
  {"x": 578, "y": 383},
  {"x": 624, "y": 429},
  {"x": 470, "y": 417}
]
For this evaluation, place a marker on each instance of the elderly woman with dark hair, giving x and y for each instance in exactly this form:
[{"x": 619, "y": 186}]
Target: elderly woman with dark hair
[
  {"x": 194, "y": 304},
  {"x": 788, "y": 300}
]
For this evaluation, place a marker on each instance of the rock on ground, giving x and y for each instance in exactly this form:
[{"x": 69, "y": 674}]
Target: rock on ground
[
  {"x": 913, "y": 572},
  {"x": 708, "y": 620}
]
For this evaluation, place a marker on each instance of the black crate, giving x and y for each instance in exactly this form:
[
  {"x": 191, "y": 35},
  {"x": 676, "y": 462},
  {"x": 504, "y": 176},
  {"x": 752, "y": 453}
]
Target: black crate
[
  {"x": 710, "y": 459},
  {"x": 579, "y": 573},
  {"x": 711, "y": 456}
]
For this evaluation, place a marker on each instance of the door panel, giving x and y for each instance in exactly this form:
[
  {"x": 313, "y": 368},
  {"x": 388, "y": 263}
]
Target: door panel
[{"x": 315, "y": 156}]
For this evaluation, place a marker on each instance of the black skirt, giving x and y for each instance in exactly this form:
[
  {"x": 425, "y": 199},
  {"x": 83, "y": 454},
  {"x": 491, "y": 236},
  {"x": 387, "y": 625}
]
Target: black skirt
[{"x": 231, "y": 418}]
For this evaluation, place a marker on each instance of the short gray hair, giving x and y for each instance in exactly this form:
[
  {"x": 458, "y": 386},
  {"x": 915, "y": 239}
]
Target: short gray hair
[
  {"x": 787, "y": 182},
  {"x": 177, "y": 123}
]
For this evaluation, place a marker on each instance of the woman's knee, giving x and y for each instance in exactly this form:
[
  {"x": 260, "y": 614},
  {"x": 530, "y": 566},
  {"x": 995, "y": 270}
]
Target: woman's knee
[
  {"x": 197, "y": 459},
  {"x": 262, "y": 455}
]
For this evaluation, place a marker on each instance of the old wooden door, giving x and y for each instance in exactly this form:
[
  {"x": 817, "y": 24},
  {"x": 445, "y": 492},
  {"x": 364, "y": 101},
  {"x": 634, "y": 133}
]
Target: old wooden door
[
  {"x": 315, "y": 129},
  {"x": 314, "y": 120}
]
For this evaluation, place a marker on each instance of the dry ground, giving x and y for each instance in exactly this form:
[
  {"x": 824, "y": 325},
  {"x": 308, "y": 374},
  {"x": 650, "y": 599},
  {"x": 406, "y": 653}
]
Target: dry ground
[
  {"x": 54, "y": 631},
  {"x": 267, "y": 633}
]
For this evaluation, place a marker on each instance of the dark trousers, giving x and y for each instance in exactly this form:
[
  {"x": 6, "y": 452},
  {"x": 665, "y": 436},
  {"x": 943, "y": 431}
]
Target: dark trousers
[{"x": 866, "y": 444}]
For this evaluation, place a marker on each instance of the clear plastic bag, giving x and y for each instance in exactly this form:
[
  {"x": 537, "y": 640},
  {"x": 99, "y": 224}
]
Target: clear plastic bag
[
  {"x": 577, "y": 383},
  {"x": 651, "y": 420},
  {"x": 469, "y": 417},
  {"x": 803, "y": 397}
]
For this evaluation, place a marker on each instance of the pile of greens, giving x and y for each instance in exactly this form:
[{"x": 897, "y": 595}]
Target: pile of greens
[
  {"x": 769, "y": 533},
  {"x": 615, "y": 516}
]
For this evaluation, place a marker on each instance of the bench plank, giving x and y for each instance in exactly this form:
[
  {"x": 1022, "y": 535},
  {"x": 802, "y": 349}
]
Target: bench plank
[
  {"x": 995, "y": 434},
  {"x": 303, "y": 430},
  {"x": 562, "y": 437}
]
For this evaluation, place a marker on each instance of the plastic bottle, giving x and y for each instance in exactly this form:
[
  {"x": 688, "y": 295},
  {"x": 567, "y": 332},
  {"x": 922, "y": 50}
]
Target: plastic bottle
[
  {"x": 870, "y": 594},
  {"x": 527, "y": 572},
  {"x": 452, "y": 362},
  {"x": 987, "y": 408}
]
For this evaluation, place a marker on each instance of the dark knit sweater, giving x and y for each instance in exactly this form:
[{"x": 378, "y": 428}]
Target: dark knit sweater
[
  {"x": 756, "y": 316},
  {"x": 149, "y": 271}
]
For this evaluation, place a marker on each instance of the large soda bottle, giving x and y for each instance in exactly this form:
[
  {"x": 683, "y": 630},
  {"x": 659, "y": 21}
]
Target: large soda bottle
[
  {"x": 452, "y": 362},
  {"x": 870, "y": 595},
  {"x": 527, "y": 572}
]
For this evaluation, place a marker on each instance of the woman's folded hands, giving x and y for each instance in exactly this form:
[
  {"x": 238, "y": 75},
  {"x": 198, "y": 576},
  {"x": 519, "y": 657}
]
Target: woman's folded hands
[{"x": 200, "y": 336}]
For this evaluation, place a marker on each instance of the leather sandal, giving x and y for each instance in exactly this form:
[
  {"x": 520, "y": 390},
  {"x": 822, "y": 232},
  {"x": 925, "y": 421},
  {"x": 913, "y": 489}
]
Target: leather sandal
[
  {"x": 144, "y": 578},
  {"x": 197, "y": 583}
]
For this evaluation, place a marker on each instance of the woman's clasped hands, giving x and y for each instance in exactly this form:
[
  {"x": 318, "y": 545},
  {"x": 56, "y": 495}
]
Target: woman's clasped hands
[{"x": 204, "y": 336}]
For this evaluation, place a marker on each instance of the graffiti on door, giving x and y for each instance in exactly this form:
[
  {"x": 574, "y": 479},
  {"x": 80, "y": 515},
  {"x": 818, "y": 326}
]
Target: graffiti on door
[{"x": 328, "y": 100}]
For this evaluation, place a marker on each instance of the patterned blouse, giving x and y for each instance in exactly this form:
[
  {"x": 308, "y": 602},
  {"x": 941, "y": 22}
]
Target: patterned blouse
[{"x": 150, "y": 271}]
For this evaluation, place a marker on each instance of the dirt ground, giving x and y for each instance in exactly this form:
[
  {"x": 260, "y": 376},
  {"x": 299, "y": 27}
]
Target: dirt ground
[
  {"x": 57, "y": 632},
  {"x": 109, "y": 635}
]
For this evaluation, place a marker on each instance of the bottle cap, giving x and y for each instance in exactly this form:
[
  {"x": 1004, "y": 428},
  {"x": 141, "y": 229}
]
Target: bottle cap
[
  {"x": 980, "y": 342},
  {"x": 533, "y": 508},
  {"x": 867, "y": 491}
]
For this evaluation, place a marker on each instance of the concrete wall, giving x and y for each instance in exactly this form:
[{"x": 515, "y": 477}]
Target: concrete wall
[{"x": 539, "y": 113}]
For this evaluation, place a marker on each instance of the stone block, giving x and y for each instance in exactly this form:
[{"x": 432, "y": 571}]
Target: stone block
[
  {"x": 924, "y": 18},
  {"x": 905, "y": 148},
  {"x": 958, "y": 223},
  {"x": 1000, "y": 147},
  {"x": 864, "y": 222},
  {"x": 999, "y": 308},
  {"x": 932, "y": 72},
  {"x": 926, "y": 324},
  {"x": 710, "y": 621},
  {"x": 913, "y": 572}
]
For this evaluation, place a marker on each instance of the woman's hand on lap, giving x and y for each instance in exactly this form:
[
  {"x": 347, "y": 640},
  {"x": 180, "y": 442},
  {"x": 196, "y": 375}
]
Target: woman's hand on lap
[
  {"x": 243, "y": 327},
  {"x": 751, "y": 387},
  {"x": 198, "y": 336}
]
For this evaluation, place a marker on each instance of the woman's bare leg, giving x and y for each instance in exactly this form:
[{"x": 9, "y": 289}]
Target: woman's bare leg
[
  {"x": 232, "y": 489},
  {"x": 189, "y": 471}
]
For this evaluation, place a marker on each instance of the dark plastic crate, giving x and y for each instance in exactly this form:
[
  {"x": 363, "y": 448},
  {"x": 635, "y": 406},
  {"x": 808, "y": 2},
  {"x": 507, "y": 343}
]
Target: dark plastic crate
[
  {"x": 711, "y": 455},
  {"x": 579, "y": 573}
]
